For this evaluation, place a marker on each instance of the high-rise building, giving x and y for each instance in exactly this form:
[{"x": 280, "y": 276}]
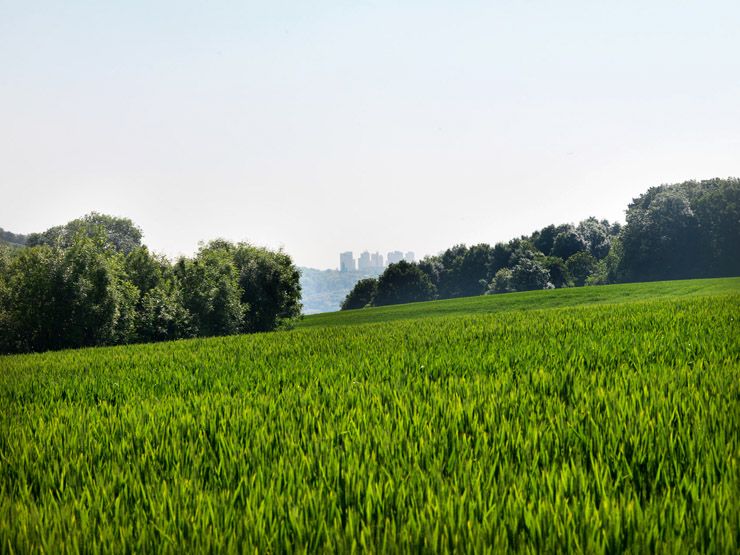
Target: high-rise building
[
  {"x": 394, "y": 257},
  {"x": 364, "y": 262},
  {"x": 409, "y": 257},
  {"x": 376, "y": 261},
  {"x": 346, "y": 262}
]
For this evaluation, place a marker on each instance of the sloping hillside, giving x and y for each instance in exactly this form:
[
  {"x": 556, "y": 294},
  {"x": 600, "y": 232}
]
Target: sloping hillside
[{"x": 530, "y": 300}]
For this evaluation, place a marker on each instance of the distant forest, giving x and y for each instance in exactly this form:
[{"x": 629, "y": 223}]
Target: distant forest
[
  {"x": 685, "y": 230},
  {"x": 12, "y": 239}
]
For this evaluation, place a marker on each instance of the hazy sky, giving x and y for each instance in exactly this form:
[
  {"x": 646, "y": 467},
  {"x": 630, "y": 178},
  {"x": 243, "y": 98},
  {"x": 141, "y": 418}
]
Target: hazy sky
[{"x": 352, "y": 125}]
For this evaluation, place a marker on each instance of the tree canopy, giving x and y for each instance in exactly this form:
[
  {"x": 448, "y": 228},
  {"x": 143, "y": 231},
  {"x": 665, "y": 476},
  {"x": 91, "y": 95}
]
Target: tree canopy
[
  {"x": 403, "y": 282},
  {"x": 686, "y": 230},
  {"x": 91, "y": 282}
]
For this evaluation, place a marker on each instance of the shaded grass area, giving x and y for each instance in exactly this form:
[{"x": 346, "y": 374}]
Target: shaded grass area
[{"x": 588, "y": 428}]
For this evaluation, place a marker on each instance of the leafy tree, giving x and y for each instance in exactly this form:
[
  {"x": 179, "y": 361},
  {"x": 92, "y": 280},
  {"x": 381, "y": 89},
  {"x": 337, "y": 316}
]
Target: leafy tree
[
  {"x": 716, "y": 205},
  {"x": 403, "y": 283},
  {"x": 528, "y": 275},
  {"x": 502, "y": 282},
  {"x": 559, "y": 273},
  {"x": 362, "y": 294},
  {"x": 661, "y": 239},
  {"x": 120, "y": 233},
  {"x": 608, "y": 269},
  {"x": 270, "y": 287},
  {"x": 544, "y": 239},
  {"x": 448, "y": 285},
  {"x": 100, "y": 300},
  {"x": 433, "y": 268},
  {"x": 500, "y": 257},
  {"x": 58, "y": 298},
  {"x": 474, "y": 271},
  {"x": 596, "y": 235},
  {"x": 523, "y": 250},
  {"x": 581, "y": 266},
  {"x": 160, "y": 312},
  {"x": 567, "y": 243},
  {"x": 211, "y": 293},
  {"x": 464, "y": 271}
]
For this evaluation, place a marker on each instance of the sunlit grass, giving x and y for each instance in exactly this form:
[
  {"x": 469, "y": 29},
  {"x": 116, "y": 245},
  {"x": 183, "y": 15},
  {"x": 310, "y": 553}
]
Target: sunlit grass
[{"x": 609, "y": 425}]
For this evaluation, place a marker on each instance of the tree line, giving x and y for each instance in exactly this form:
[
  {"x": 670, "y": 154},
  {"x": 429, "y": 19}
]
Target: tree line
[
  {"x": 92, "y": 282},
  {"x": 684, "y": 230}
]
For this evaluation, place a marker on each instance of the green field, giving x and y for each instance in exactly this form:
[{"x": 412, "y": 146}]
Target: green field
[{"x": 601, "y": 419}]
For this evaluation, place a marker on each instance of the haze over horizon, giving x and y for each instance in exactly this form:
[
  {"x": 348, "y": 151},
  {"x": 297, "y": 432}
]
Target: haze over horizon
[{"x": 359, "y": 126}]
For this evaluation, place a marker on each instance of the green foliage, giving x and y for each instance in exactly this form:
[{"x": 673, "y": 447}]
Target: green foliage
[
  {"x": 567, "y": 243},
  {"x": 54, "y": 298},
  {"x": 529, "y": 273},
  {"x": 690, "y": 229},
  {"x": 543, "y": 239},
  {"x": 597, "y": 235},
  {"x": 160, "y": 309},
  {"x": 717, "y": 209},
  {"x": 559, "y": 273},
  {"x": 211, "y": 292},
  {"x": 607, "y": 428},
  {"x": 581, "y": 266},
  {"x": 270, "y": 287},
  {"x": 12, "y": 239},
  {"x": 362, "y": 294},
  {"x": 90, "y": 282},
  {"x": 120, "y": 233},
  {"x": 502, "y": 282},
  {"x": 403, "y": 283}
]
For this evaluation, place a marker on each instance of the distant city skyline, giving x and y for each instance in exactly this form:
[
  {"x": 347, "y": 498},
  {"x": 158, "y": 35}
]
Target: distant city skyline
[{"x": 368, "y": 261}]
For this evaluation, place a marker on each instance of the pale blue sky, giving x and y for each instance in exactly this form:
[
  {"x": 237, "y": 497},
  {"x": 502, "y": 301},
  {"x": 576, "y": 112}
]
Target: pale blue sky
[{"x": 332, "y": 126}]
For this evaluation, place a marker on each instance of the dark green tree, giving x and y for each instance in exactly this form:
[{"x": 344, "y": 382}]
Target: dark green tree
[
  {"x": 160, "y": 312},
  {"x": 59, "y": 298},
  {"x": 716, "y": 206},
  {"x": 662, "y": 238},
  {"x": 448, "y": 285},
  {"x": 559, "y": 274},
  {"x": 581, "y": 266},
  {"x": 529, "y": 275},
  {"x": 597, "y": 236},
  {"x": 544, "y": 239},
  {"x": 211, "y": 292},
  {"x": 567, "y": 243},
  {"x": 362, "y": 294},
  {"x": 270, "y": 287},
  {"x": 474, "y": 271},
  {"x": 403, "y": 283},
  {"x": 433, "y": 268},
  {"x": 502, "y": 282},
  {"x": 500, "y": 257}
]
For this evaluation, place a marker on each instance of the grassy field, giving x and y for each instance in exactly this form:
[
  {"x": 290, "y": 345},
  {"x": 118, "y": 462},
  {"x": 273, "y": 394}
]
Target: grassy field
[
  {"x": 591, "y": 420},
  {"x": 531, "y": 300}
]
